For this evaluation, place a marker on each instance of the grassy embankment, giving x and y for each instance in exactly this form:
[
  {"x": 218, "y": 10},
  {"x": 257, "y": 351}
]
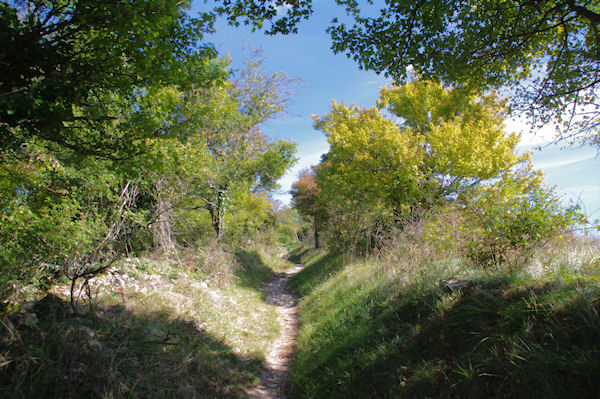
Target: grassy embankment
[
  {"x": 384, "y": 327},
  {"x": 192, "y": 327}
]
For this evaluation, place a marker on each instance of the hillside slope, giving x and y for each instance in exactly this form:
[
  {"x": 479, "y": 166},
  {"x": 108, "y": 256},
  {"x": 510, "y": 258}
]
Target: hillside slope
[
  {"x": 387, "y": 328},
  {"x": 193, "y": 327}
]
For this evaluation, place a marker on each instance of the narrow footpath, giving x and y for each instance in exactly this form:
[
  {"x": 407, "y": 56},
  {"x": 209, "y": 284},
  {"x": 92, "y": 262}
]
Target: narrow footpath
[{"x": 275, "y": 376}]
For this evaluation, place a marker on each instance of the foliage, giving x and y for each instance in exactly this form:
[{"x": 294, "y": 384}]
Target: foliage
[
  {"x": 239, "y": 156},
  {"x": 464, "y": 138},
  {"x": 54, "y": 213},
  {"x": 259, "y": 12},
  {"x": 439, "y": 142},
  {"x": 514, "y": 216},
  {"x": 305, "y": 194},
  {"x": 253, "y": 214},
  {"x": 369, "y": 158},
  {"x": 423, "y": 146},
  {"x": 60, "y": 56},
  {"x": 430, "y": 152},
  {"x": 288, "y": 227},
  {"x": 88, "y": 87},
  {"x": 545, "y": 52},
  {"x": 357, "y": 227}
]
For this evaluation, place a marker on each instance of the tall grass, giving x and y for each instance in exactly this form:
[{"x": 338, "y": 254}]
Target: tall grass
[
  {"x": 385, "y": 327},
  {"x": 192, "y": 326}
]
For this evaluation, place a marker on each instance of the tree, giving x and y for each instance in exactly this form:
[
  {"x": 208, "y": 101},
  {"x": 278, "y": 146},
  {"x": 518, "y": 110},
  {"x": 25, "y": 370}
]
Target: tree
[
  {"x": 437, "y": 144},
  {"x": 59, "y": 59},
  {"x": 251, "y": 163},
  {"x": 306, "y": 196},
  {"x": 239, "y": 155},
  {"x": 427, "y": 153},
  {"x": 546, "y": 52},
  {"x": 210, "y": 148}
]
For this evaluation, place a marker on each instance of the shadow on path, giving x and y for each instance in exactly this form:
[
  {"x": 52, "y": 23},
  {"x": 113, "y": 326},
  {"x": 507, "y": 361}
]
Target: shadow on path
[{"x": 118, "y": 354}]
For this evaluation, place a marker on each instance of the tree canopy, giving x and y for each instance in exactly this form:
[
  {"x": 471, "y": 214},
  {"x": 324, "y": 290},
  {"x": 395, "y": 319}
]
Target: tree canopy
[
  {"x": 117, "y": 123},
  {"x": 422, "y": 147},
  {"x": 434, "y": 142},
  {"x": 434, "y": 162},
  {"x": 59, "y": 58},
  {"x": 546, "y": 52},
  {"x": 306, "y": 196}
]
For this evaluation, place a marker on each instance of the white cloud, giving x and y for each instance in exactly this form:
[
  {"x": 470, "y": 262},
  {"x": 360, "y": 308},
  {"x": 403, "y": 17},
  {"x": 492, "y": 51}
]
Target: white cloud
[
  {"x": 282, "y": 9},
  {"x": 548, "y": 165},
  {"x": 381, "y": 81}
]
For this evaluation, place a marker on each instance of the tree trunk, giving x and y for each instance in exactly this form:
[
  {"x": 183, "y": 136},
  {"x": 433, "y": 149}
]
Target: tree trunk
[
  {"x": 216, "y": 210},
  {"x": 315, "y": 228},
  {"x": 217, "y": 221},
  {"x": 162, "y": 234}
]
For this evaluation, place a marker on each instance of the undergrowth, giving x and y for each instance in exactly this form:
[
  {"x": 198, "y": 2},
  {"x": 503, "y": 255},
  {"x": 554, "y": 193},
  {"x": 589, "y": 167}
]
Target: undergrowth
[
  {"x": 192, "y": 326},
  {"x": 386, "y": 327}
]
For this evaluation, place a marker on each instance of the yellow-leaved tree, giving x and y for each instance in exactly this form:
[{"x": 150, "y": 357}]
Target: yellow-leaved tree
[{"x": 422, "y": 145}]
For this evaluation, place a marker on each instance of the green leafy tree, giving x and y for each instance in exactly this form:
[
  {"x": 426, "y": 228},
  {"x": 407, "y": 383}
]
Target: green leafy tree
[
  {"x": 423, "y": 146},
  {"x": 547, "y": 52},
  {"x": 58, "y": 58},
  {"x": 239, "y": 154},
  {"x": 214, "y": 146}
]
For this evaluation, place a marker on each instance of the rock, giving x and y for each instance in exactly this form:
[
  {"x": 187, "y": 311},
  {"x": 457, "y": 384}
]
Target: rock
[
  {"x": 452, "y": 285},
  {"x": 93, "y": 343},
  {"x": 28, "y": 319},
  {"x": 28, "y": 307}
]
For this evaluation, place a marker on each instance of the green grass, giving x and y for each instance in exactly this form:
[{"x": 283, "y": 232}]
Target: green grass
[
  {"x": 318, "y": 267},
  {"x": 171, "y": 331},
  {"x": 384, "y": 328},
  {"x": 253, "y": 271}
]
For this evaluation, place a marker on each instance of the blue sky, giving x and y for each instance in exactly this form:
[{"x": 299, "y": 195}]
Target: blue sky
[{"x": 325, "y": 77}]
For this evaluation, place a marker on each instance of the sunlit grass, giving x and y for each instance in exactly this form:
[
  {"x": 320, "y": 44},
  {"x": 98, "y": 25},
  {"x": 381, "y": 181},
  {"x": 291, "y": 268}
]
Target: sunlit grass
[
  {"x": 384, "y": 327},
  {"x": 162, "y": 327}
]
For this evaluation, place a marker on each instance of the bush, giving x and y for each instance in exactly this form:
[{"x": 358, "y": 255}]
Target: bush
[
  {"x": 510, "y": 218},
  {"x": 502, "y": 224},
  {"x": 214, "y": 261},
  {"x": 357, "y": 228}
]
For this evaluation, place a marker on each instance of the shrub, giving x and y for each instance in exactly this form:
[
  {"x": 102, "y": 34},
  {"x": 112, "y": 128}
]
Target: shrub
[
  {"x": 510, "y": 218},
  {"x": 216, "y": 262}
]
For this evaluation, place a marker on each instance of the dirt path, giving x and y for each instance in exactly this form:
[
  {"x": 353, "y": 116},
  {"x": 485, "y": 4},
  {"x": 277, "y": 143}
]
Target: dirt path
[{"x": 275, "y": 376}]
